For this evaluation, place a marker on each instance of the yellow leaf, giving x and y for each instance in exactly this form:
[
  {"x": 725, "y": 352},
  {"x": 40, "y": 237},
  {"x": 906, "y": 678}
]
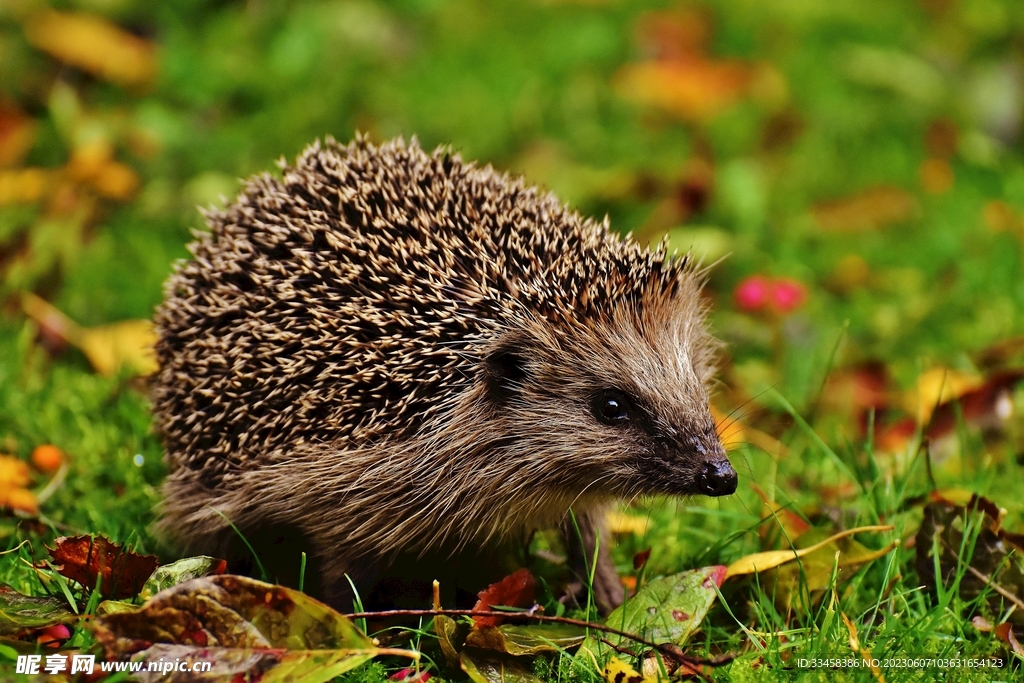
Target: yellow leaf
[
  {"x": 874, "y": 207},
  {"x": 935, "y": 387},
  {"x": 14, "y": 472},
  {"x": 108, "y": 347},
  {"x": 19, "y": 499},
  {"x": 617, "y": 671},
  {"x": 93, "y": 44},
  {"x": 130, "y": 343},
  {"x": 23, "y": 186},
  {"x": 620, "y": 523},
  {"x": 759, "y": 562},
  {"x": 117, "y": 181}
]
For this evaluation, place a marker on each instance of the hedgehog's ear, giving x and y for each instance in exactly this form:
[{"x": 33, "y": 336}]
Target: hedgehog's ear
[{"x": 504, "y": 369}]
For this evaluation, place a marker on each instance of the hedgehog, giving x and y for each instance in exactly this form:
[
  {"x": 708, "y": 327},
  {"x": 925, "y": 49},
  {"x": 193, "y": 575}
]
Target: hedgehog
[{"x": 386, "y": 355}]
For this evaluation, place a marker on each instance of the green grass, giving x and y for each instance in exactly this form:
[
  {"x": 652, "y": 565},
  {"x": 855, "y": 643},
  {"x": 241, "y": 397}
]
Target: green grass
[{"x": 529, "y": 87}]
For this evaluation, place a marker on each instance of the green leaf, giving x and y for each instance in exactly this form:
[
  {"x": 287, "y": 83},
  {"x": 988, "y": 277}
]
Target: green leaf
[
  {"x": 19, "y": 612},
  {"x": 667, "y": 610},
  {"x": 179, "y": 572}
]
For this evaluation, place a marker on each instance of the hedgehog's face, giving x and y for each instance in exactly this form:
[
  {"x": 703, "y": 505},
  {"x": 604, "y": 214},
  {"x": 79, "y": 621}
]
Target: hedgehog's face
[{"x": 623, "y": 401}]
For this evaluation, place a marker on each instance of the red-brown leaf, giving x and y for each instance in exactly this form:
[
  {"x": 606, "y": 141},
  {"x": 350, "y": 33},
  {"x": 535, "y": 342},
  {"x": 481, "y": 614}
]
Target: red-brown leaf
[
  {"x": 515, "y": 590},
  {"x": 85, "y": 558}
]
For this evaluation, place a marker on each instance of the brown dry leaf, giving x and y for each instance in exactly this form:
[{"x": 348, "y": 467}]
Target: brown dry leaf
[
  {"x": 942, "y": 138},
  {"x": 996, "y": 570},
  {"x": 85, "y": 558},
  {"x": 23, "y": 186},
  {"x": 872, "y": 208},
  {"x": 108, "y": 347},
  {"x": 94, "y": 45},
  {"x": 852, "y": 391},
  {"x": 759, "y": 562},
  {"x": 673, "y": 34},
  {"x": 1005, "y": 633},
  {"x": 515, "y": 590},
  {"x": 857, "y": 647},
  {"x": 691, "y": 88},
  {"x": 17, "y": 134}
]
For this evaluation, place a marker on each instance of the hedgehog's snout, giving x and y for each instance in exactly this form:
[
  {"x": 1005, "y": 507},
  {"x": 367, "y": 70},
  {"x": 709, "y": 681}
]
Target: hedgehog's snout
[{"x": 717, "y": 477}]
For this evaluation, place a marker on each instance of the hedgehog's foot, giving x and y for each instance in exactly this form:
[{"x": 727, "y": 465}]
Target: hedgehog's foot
[{"x": 584, "y": 550}]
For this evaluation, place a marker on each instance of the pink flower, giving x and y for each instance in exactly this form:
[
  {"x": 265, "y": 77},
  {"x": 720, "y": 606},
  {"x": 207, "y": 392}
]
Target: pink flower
[
  {"x": 408, "y": 675},
  {"x": 52, "y": 636},
  {"x": 788, "y": 295},
  {"x": 780, "y": 295},
  {"x": 753, "y": 292}
]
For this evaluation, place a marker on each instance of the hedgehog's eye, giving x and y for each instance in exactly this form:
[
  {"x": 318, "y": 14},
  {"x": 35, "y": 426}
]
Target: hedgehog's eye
[{"x": 611, "y": 407}]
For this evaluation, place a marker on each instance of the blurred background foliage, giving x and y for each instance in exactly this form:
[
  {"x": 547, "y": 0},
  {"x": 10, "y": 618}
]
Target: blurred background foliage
[{"x": 864, "y": 156}]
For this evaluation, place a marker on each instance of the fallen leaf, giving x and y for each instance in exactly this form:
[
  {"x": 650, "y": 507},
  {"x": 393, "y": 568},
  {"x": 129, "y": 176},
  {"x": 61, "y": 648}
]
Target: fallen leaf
[
  {"x": 168, "y": 575},
  {"x": 813, "y": 573},
  {"x": 19, "y": 612},
  {"x": 691, "y": 88},
  {"x": 759, "y": 562},
  {"x": 666, "y": 610},
  {"x": 617, "y": 522},
  {"x": 86, "y": 558},
  {"x": 995, "y": 568},
  {"x": 865, "y": 654},
  {"x": 617, "y": 671},
  {"x": 482, "y": 669},
  {"x": 514, "y": 639},
  {"x": 243, "y": 625},
  {"x": 93, "y": 44},
  {"x": 17, "y": 134},
  {"x": 108, "y": 347},
  {"x": 128, "y": 343},
  {"x": 872, "y": 208},
  {"x": 792, "y": 525},
  {"x": 941, "y": 139},
  {"x": 987, "y": 406},
  {"x": 450, "y": 637},
  {"x": 14, "y": 472},
  {"x": 23, "y": 186},
  {"x": 936, "y": 176},
  {"x": 14, "y": 477},
  {"x": 1006, "y": 634},
  {"x": 515, "y": 590},
  {"x": 673, "y": 34}
]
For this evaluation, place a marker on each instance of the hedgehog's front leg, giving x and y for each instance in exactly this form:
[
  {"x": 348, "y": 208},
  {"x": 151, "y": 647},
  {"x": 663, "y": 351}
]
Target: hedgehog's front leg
[{"x": 581, "y": 534}]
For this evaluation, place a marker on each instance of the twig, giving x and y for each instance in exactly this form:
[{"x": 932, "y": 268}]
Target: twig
[{"x": 667, "y": 649}]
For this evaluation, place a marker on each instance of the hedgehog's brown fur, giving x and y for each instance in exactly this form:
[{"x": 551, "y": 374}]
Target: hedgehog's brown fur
[{"x": 388, "y": 351}]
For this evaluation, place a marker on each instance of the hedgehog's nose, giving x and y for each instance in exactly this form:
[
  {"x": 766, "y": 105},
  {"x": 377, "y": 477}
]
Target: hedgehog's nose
[{"x": 717, "y": 478}]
